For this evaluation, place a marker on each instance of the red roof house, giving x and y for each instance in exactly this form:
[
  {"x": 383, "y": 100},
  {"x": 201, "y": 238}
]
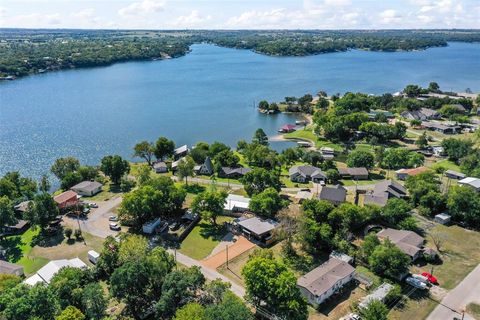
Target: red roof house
[
  {"x": 66, "y": 199},
  {"x": 287, "y": 128}
]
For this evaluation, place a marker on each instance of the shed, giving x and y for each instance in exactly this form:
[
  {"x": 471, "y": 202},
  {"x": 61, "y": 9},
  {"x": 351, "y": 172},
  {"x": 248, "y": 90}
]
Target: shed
[
  {"x": 443, "y": 218},
  {"x": 160, "y": 167},
  {"x": 149, "y": 227},
  {"x": 236, "y": 203},
  {"x": 378, "y": 295},
  {"x": 93, "y": 256},
  {"x": 454, "y": 175}
]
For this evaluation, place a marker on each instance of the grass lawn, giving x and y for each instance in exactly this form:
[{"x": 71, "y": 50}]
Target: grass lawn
[
  {"x": 19, "y": 249},
  {"x": 235, "y": 266},
  {"x": 418, "y": 306},
  {"x": 108, "y": 192},
  {"x": 447, "y": 164},
  {"x": 473, "y": 309},
  {"x": 204, "y": 238},
  {"x": 460, "y": 255}
]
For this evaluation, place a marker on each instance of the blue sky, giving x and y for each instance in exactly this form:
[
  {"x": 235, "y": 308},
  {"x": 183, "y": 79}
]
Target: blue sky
[{"x": 240, "y": 14}]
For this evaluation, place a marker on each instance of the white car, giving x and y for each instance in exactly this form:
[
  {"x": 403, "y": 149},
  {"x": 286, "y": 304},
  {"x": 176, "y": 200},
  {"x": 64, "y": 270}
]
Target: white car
[
  {"x": 114, "y": 226},
  {"x": 416, "y": 283},
  {"x": 112, "y": 218},
  {"x": 92, "y": 205},
  {"x": 420, "y": 278}
]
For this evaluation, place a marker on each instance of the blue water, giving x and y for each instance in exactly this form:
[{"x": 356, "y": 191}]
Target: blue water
[{"x": 206, "y": 95}]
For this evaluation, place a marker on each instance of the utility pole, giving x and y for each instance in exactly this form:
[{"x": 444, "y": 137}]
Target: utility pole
[
  {"x": 227, "y": 255},
  {"x": 175, "y": 257}
]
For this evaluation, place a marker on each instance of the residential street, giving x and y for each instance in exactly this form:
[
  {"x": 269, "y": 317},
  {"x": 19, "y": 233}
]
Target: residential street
[{"x": 457, "y": 299}]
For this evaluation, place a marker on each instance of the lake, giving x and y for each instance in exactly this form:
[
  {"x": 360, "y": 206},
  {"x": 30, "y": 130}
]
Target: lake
[{"x": 207, "y": 95}]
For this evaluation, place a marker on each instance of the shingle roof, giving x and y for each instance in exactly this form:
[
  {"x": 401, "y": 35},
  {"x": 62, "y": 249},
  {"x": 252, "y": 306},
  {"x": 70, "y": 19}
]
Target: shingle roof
[
  {"x": 335, "y": 194},
  {"x": 9, "y": 268},
  {"x": 378, "y": 200},
  {"x": 321, "y": 279},
  {"x": 257, "y": 225},
  {"x": 307, "y": 171},
  {"x": 360, "y": 171},
  {"x": 181, "y": 149},
  {"x": 65, "y": 196},
  {"x": 408, "y": 241},
  {"x": 87, "y": 185},
  {"x": 160, "y": 164},
  {"x": 390, "y": 186}
]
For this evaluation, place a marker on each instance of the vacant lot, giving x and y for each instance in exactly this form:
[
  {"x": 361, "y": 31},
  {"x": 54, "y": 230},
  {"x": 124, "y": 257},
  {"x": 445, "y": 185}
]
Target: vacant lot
[{"x": 203, "y": 238}]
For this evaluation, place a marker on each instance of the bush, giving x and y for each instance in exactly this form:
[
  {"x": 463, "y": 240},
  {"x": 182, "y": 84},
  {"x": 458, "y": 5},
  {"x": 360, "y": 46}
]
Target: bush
[
  {"x": 126, "y": 184},
  {"x": 68, "y": 232},
  {"x": 78, "y": 234}
]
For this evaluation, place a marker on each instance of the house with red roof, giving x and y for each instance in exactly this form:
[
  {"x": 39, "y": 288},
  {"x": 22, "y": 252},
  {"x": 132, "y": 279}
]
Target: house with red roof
[
  {"x": 287, "y": 128},
  {"x": 66, "y": 199}
]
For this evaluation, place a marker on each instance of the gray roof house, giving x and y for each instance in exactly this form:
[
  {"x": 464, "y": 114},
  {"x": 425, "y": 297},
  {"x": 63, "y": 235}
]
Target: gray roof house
[
  {"x": 322, "y": 282},
  {"x": 306, "y": 173},
  {"x": 336, "y": 194},
  {"x": 360, "y": 173},
  {"x": 421, "y": 114},
  {"x": 160, "y": 167},
  {"x": 87, "y": 188},
  {"x": 180, "y": 152},
  {"x": 233, "y": 173},
  {"x": 408, "y": 242},
  {"x": 257, "y": 229},
  {"x": 383, "y": 191},
  {"x": 470, "y": 182},
  {"x": 205, "y": 169},
  {"x": 10, "y": 268},
  {"x": 454, "y": 175}
]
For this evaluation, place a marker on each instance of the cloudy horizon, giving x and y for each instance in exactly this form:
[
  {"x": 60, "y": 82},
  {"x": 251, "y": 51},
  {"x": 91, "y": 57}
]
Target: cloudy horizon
[{"x": 241, "y": 14}]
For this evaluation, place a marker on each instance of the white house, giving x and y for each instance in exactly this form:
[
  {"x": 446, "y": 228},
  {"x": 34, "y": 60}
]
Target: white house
[
  {"x": 471, "y": 182},
  {"x": 160, "y": 167},
  {"x": 87, "y": 188},
  {"x": 236, "y": 203},
  {"x": 46, "y": 273},
  {"x": 322, "y": 282}
]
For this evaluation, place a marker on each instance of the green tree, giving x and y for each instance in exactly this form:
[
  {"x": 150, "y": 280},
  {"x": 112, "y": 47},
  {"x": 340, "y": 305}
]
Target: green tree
[
  {"x": 88, "y": 172},
  {"x": 412, "y": 90},
  {"x": 209, "y": 204},
  {"x": 217, "y": 147},
  {"x": 229, "y": 308},
  {"x": 44, "y": 185},
  {"x": 42, "y": 210},
  {"x": 179, "y": 287},
  {"x": 185, "y": 169},
  {"x": 132, "y": 247},
  {"x": 422, "y": 141},
  {"x": 114, "y": 167},
  {"x": 108, "y": 261},
  {"x": 260, "y": 137},
  {"x": 68, "y": 232},
  {"x": 94, "y": 301},
  {"x": 370, "y": 242},
  {"x": 267, "y": 203},
  {"x": 463, "y": 204},
  {"x": 395, "y": 211},
  {"x": 190, "y": 311},
  {"x": 70, "y": 313},
  {"x": 144, "y": 150},
  {"x": 360, "y": 158},
  {"x": 16, "y": 187},
  {"x": 71, "y": 179},
  {"x": 456, "y": 148},
  {"x": 62, "y": 166},
  {"x": 143, "y": 174},
  {"x": 225, "y": 158},
  {"x": 269, "y": 283},
  {"x": 388, "y": 260},
  {"x": 200, "y": 152},
  {"x": 163, "y": 148},
  {"x": 67, "y": 285},
  {"x": 433, "y": 87},
  {"x": 7, "y": 214},
  {"x": 260, "y": 179},
  {"x": 376, "y": 310},
  {"x": 7, "y": 282}
]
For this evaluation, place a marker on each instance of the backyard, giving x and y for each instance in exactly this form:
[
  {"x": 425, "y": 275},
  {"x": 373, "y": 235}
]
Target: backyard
[{"x": 204, "y": 238}]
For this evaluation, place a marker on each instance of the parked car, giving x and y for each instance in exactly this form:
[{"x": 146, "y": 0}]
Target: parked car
[
  {"x": 421, "y": 278},
  {"x": 112, "y": 218},
  {"x": 92, "y": 205},
  {"x": 173, "y": 226},
  {"x": 430, "y": 277},
  {"x": 416, "y": 283},
  {"x": 114, "y": 226},
  {"x": 351, "y": 316}
]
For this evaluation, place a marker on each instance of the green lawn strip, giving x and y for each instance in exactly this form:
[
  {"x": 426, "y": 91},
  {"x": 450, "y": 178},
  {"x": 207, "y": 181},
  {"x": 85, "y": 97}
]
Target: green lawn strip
[
  {"x": 446, "y": 164},
  {"x": 204, "y": 238},
  {"x": 460, "y": 255},
  {"x": 473, "y": 309}
]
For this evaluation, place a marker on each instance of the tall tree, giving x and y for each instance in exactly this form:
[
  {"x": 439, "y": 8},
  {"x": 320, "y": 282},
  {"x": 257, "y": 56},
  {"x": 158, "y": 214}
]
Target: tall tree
[
  {"x": 388, "y": 260},
  {"x": 62, "y": 166},
  {"x": 94, "y": 302},
  {"x": 70, "y": 313},
  {"x": 144, "y": 150},
  {"x": 267, "y": 203},
  {"x": 163, "y": 148},
  {"x": 360, "y": 158},
  {"x": 260, "y": 179},
  {"x": 7, "y": 214},
  {"x": 210, "y": 204},
  {"x": 115, "y": 167},
  {"x": 44, "y": 185},
  {"x": 185, "y": 169},
  {"x": 376, "y": 310},
  {"x": 42, "y": 210},
  {"x": 260, "y": 137}
]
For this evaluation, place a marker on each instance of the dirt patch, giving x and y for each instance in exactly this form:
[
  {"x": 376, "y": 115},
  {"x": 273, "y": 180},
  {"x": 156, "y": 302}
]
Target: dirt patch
[{"x": 240, "y": 246}]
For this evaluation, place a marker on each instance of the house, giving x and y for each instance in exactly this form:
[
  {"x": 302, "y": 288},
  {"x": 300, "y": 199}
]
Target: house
[
  {"x": 303, "y": 195},
  {"x": 458, "y": 107},
  {"x": 378, "y": 295},
  {"x": 421, "y": 114},
  {"x": 341, "y": 256},
  {"x": 66, "y": 199},
  {"x": 438, "y": 151},
  {"x": 443, "y": 218},
  {"x": 287, "y": 128},
  {"x": 327, "y": 153},
  {"x": 322, "y": 282},
  {"x": 257, "y": 229},
  {"x": 236, "y": 203},
  {"x": 206, "y": 169},
  {"x": 408, "y": 242},
  {"x": 10, "y": 268},
  {"x": 87, "y": 188},
  {"x": 20, "y": 227},
  {"x": 22, "y": 207},
  {"x": 377, "y": 200},
  {"x": 233, "y": 173},
  {"x": 403, "y": 174},
  {"x": 46, "y": 273},
  {"x": 335, "y": 195},
  {"x": 176, "y": 163},
  {"x": 454, "y": 175},
  {"x": 303, "y": 174},
  {"x": 442, "y": 128},
  {"x": 470, "y": 182},
  {"x": 180, "y": 152},
  {"x": 360, "y": 173},
  {"x": 150, "y": 226},
  {"x": 391, "y": 188},
  {"x": 374, "y": 113},
  {"x": 160, "y": 167}
]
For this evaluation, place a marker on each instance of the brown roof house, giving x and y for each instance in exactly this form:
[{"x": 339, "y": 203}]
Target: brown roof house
[
  {"x": 66, "y": 199},
  {"x": 408, "y": 241},
  {"x": 322, "y": 282},
  {"x": 360, "y": 173},
  {"x": 403, "y": 174}
]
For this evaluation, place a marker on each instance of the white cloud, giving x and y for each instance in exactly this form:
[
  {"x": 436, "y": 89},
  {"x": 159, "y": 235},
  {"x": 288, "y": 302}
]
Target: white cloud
[
  {"x": 36, "y": 20},
  {"x": 194, "y": 19},
  {"x": 258, "y": 19},
  {"x": 3, "y": 12},
  {"x": 144, "y": 7},
  {"x": 84, "y": 14},
  {"x": 390, "y": 16}
]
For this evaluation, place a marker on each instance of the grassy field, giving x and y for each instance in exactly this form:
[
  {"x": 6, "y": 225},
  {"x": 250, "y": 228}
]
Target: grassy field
[
  {"x": 446, "y": 164},
  {"x": 308, "y": 134},
  {"x": 204, "y": 238},
  {"x": 418, "y": 306},
  {"x": 473, "y": 309}
]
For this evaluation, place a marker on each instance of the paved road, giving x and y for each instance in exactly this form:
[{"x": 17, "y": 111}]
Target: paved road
[
  {"x": 208, "y": 273},
  {"x": 97, "y": 222},
  {"x": 467, "y": 291}
]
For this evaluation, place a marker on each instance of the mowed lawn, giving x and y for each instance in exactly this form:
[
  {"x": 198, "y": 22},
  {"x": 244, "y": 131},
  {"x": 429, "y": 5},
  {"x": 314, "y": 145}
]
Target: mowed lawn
[
  {"x": 20, "y": 249},
  {"x": 204, "y": 238}
]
